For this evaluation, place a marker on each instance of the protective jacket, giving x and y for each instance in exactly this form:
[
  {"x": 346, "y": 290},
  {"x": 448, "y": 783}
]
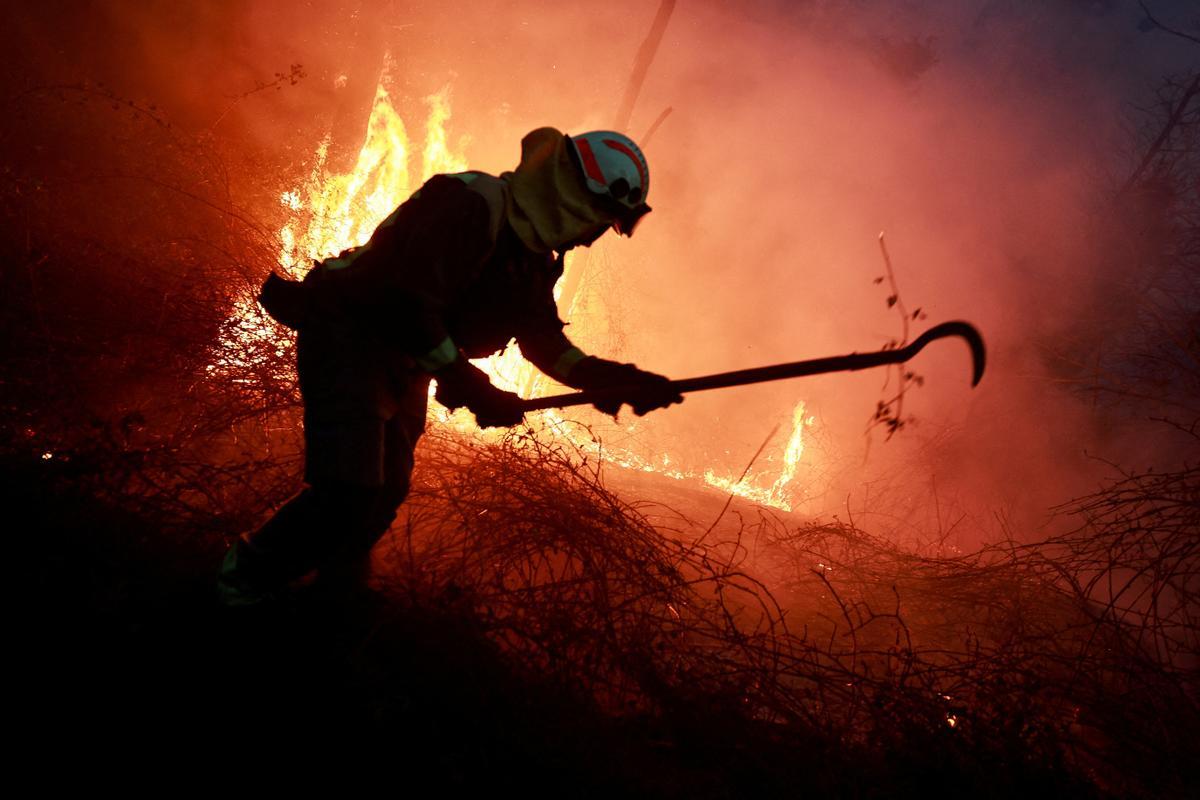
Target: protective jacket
[{"x": 446, "y": 271}]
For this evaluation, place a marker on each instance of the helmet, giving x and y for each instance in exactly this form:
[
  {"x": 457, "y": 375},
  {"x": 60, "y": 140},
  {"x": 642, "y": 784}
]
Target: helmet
[{"x": 615, "y": 169}]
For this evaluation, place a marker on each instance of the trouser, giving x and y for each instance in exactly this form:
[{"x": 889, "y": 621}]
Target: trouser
[{"x": 364, "y": 410}]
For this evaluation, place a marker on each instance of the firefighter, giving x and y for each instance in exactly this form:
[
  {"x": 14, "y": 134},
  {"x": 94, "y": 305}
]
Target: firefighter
[{"x": 464, "y": 266}]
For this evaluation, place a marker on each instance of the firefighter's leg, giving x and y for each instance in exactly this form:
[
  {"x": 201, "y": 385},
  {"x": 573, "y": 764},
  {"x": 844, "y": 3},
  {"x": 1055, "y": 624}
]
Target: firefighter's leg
[
  {"x": 262, "y": 564},
  {"x": 348, "y": 564},
  {"x": 346, "y": 403}
]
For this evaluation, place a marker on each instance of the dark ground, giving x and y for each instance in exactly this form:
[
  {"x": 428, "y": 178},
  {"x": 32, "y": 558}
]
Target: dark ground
[
  {"x": 127, "y": 651},
  {"x": 124, "y": 654}
]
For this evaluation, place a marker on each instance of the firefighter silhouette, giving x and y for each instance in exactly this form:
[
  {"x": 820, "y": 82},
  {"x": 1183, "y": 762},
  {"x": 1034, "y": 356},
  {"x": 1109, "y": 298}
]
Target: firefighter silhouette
[{"x": 465, "y": 265}]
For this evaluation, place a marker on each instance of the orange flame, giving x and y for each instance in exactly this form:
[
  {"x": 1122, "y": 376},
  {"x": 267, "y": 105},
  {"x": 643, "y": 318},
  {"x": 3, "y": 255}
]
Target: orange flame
[{"x": 777, "y": 494}]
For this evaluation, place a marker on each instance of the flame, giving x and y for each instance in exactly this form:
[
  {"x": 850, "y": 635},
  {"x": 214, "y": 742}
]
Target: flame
[
  {"x": 438, "y": 156},
  {"x": 337, "y": 212},
  {"x": 332, "y": 213},
  {"x": 777, "y": 495}
]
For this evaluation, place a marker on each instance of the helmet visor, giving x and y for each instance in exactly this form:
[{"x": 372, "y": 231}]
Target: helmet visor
[{"x": 628, "y": 219}]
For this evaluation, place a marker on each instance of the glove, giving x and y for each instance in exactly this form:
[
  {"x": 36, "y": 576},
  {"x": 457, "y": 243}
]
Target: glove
[
  {"x": 461, "y": 383},
  {"x": 645, "y": 391}
]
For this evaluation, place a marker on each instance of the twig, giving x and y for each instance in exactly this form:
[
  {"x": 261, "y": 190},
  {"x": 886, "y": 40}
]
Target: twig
[{"x": 1159, "y": 25}]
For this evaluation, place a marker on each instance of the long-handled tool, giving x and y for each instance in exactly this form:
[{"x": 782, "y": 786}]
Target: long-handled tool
[{"x": 796, "y": 369}]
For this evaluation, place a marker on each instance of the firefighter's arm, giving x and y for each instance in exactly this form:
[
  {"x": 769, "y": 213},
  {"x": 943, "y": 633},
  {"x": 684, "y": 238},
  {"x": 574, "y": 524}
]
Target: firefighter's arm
[
  {"x": 549, "y": 349},
  {"x": 541, "y": 337},
  {"x": 461, "y": 383},
  {"x": 644, "y": 391}
]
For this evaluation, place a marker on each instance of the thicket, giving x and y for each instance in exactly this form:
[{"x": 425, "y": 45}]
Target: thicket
[{"x": 136, "y": 368}]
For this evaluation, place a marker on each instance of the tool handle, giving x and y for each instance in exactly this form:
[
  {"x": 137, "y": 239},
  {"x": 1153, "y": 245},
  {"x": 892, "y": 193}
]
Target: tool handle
[{"x": 795, "y": 369}]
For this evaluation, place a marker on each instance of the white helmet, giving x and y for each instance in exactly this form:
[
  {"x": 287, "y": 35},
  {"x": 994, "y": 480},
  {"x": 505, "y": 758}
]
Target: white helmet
[{"x": 615, "y": 169}]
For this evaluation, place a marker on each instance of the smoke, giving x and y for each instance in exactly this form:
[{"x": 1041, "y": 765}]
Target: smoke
[
  {"x": 982, "y": 140},
  {"x": 980, "y": 136}
]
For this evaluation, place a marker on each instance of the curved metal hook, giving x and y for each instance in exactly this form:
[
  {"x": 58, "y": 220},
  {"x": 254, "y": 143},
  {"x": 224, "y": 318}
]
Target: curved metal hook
[{"x": 964, "y": 330}]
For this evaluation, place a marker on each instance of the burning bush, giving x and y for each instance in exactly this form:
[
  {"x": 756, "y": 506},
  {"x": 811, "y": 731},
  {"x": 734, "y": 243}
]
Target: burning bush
[{"x": 1004, "y": 652}]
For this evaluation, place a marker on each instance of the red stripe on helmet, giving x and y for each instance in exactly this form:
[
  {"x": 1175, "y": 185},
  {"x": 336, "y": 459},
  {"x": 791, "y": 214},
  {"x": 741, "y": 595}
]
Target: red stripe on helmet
[
  {"x": 637, "y": 162},
  {"x": 590, "y": 165}
]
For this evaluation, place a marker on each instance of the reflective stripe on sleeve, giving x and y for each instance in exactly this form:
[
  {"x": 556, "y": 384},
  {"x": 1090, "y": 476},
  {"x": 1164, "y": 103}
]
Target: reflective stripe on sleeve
[
  {"x": 565, "y": 362},
  {"x": 443, "y": 355}
]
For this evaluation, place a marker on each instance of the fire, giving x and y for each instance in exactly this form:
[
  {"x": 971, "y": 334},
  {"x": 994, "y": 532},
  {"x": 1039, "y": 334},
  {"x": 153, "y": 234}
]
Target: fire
[
  {"x": 777, "y": 494},
  {"x": 331, "y": 213},
  {"x": 438, "y": 156},
  {"x": 336, "y": 212}
]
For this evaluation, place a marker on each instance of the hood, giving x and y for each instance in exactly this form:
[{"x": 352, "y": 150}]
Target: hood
[{"x": 549, "y": 204}]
